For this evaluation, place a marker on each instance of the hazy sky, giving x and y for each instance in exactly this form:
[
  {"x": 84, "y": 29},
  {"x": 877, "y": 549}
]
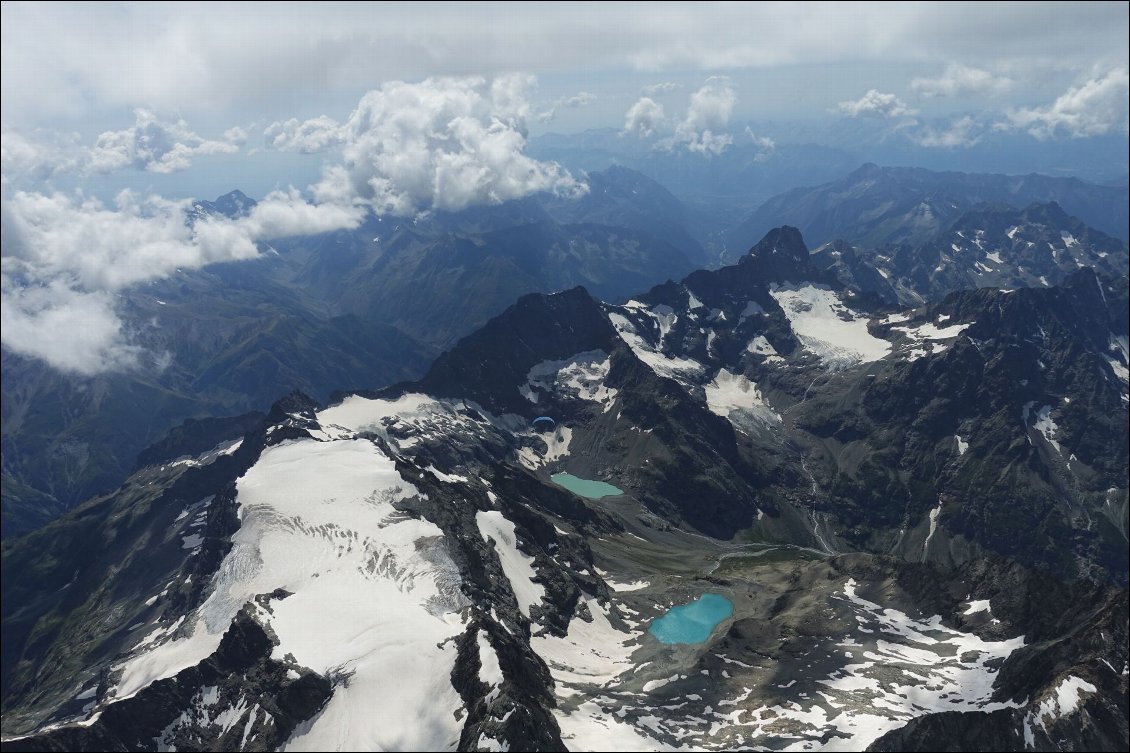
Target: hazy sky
[
  {"x": 222, "y": 65},
  {"x": 114, "y": 115},
  {"x": 213, "y": 77}
]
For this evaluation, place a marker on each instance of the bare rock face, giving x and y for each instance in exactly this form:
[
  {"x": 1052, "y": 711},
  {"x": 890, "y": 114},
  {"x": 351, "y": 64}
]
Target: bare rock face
[{"x": 199, "y": 707}]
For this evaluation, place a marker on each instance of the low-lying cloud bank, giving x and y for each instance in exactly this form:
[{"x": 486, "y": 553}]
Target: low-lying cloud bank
[
  {"x": 66, "y": 258},
  {"x": 442, "y": 144}
]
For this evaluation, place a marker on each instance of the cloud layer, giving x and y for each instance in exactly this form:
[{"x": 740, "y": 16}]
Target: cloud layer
[
  {"x": 962, "y": 132},
  {"x": 663, "y": 87},
  {"x": 765, "y": 145},
  {"x": 304, "y": 136},
  {"x": 150, "y": 144},
  {"x": 38, "y": 157},
  {"x": 443, "y": 143},
  {"x": 703, "y": 127},
  {"x": 73, "y": 331},
  {"x": 1094, "y": 108},
  {"x": 961, "y": 79},
  {"x": 65, "y": 258},
  {"x": 157, "y": 146},
  {"x": 643, "y": 118},
  {"x": 573, "y": 102},
  {"x": 58, "y": 59},
  {"x": 875, "y": 104}
]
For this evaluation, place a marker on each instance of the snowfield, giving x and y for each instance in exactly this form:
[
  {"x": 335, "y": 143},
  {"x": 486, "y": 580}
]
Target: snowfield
[
  {"x": 519, "y": 568},
  {"x": 581, "y": 376},
  {"x": 736, "y": 398},
  {"x": 374, "y": 596},
  {"x": 844, "y": 695},
  {"x": 930, "y": 338},
  {"x": 676, "y": 368},
  {"x": 827, "y": 328}
]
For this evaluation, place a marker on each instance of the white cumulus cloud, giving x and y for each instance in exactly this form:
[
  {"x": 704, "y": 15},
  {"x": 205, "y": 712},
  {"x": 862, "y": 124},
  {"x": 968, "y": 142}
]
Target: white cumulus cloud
[
  {"x": 38, "y": 158},
  {"x": 1093, "y": 108},
  {"x": 236, "y": 136},
  {"x": 443, "y": 143},
  {"x": 663, "y": 87},
  {"x": 283, "y": 214},
  {"x": 573, "y": 102},
  {"x": 643, "y": 117},
  {"x": 66, "y": 257},
  {"x": 766, "y": 146},
  {"x": 107, "y": 248},
  {"x": 875, "y": 104},
  {"x": 580, "y": 99},
  {"x": 150, "y": 144},
  {"x": 72, "y": 330},
  {"x": 306, "y": 136},
  {"x": 703, "y": 128},
  {"x": 960, "y": 133},
  {"x": 961, "y": 79},
  {"x": 156, "y": 145}
]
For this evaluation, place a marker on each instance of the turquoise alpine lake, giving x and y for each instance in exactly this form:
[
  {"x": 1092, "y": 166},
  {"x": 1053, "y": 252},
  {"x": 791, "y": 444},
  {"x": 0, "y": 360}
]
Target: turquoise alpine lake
[
  {"x": 694, "y": 622},
  {"x": 584, "y": 487}
]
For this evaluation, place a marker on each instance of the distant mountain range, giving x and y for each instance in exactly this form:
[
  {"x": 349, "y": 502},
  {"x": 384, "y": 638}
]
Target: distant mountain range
[
  {"x": 349, "y": 310},
  {"x": 343, "y": 310},
  {"x": 746, "y": 173},
  {"x": 878, "y": 206},
  {"x": 990, "y": 246}
]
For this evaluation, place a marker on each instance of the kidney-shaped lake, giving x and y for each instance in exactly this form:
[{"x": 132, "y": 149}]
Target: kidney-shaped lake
[{"x": 694, "y": 622}]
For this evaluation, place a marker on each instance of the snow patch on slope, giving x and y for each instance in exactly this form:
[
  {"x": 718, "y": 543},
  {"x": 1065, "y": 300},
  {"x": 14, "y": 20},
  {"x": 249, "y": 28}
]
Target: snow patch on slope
[
  {"x": 490, "y": 671},
  {"x": 663, "y": 365},
  {"x": 763, "y": 347},
  {"x": 929, "y": 337},
  {"x": 591, "y": 653},
  {"x": 519, "y": 567},
  {"x": 730, "y": 393},
  {"x": 751, "y": 308},
  {"x": 581, "y": 376},
  {"x": 1120, "y": 362},
  {"x": 1063, "y": 701},
  {"x": 374, "y": 595},
  {"x": 636, "y": 585},
  {"x": 356, "y": 413},
  {"x": 1043, "y": 423},
  {"x": 933, "y": 529},
  {"x": 557, "y": 448},
  {"x": 980, "y": 605},
  {"x": 826, "y": 327}
]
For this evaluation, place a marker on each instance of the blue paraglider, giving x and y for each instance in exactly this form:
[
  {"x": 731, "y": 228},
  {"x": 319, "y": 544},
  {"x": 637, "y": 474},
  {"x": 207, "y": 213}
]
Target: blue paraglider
[{"x": 544, "y": 423}]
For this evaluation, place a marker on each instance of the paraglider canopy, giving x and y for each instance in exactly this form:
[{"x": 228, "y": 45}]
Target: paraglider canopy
[{"x": 545, "y": 421}]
